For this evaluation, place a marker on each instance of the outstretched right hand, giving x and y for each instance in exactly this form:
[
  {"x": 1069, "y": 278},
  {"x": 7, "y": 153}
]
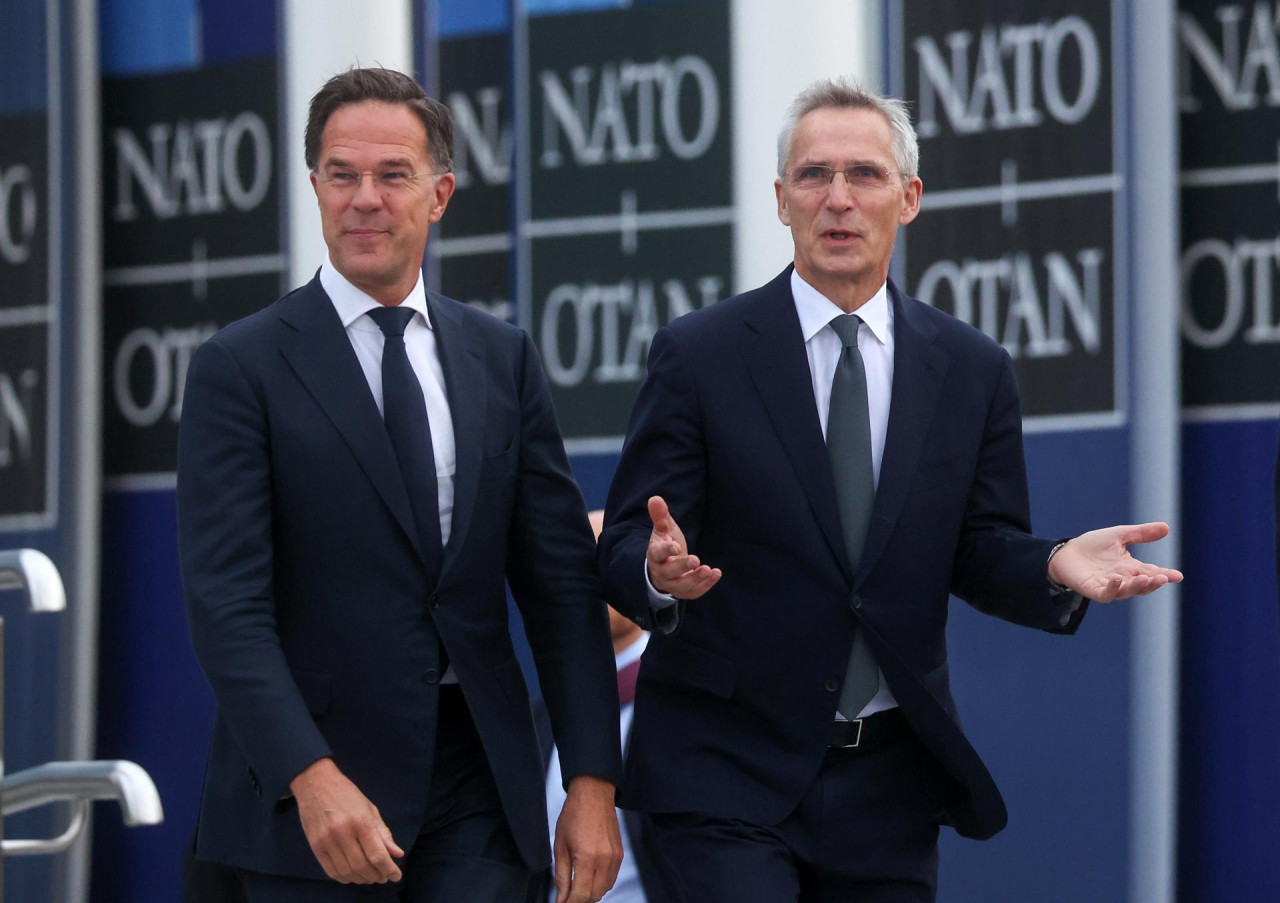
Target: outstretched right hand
[
  {"x": 345, "y": 830},
  {"x": 672, "y": 570}
]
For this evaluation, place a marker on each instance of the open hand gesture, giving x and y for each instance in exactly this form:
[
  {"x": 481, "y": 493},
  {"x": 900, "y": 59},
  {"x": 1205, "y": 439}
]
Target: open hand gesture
[
  {"x": 1098, "y": 565},
  {"x": 672, "y": 570}
]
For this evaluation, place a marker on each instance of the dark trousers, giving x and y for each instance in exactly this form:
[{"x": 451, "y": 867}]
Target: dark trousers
[
  {"x": 464, "y": 851},
  {"x": 865, "y": 832}
]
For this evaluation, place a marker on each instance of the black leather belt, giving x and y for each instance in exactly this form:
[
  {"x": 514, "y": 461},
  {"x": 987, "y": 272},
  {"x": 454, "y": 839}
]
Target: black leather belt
[{"x": 870, "y": 733}]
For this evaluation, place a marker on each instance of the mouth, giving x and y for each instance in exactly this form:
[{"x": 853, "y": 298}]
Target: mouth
[{"x": 840, "y": 235}]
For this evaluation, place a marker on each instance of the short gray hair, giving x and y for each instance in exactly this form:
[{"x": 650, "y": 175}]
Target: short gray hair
[{"x": 845, "y": 93}]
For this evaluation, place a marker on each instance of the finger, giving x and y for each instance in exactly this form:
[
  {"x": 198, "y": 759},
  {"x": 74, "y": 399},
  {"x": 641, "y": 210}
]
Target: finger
[
  {"x": 698, "y": 583},
  {"x": 378, "y": 868},
  {"x": 660, "y": 514},
  {"x": 663, "y": 550},
  {"x": 388, "y": 841},
  {"x": 564, "y": 870},
  {"x": 580, "y": 891},
  {"x": 1140, "y": 533},
  {"x": 683, "y": 586}
]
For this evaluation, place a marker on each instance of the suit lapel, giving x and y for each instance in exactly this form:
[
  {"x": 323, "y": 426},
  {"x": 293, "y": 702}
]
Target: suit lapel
[
  {"x": 774, "y": 352},
  {"x": 919, "y": 366},
  {"x": 318, "y": 350},
  {"x": 466, "y": 384}
]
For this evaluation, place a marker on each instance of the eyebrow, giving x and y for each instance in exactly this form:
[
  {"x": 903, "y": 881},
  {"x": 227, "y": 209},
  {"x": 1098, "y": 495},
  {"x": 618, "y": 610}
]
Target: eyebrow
[{"x": 398, "y": 160}]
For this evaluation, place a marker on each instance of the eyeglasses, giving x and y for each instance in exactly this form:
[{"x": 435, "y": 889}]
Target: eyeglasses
[
  {"x": 341, "y": 179},
  {"x": 862, "y": 177}
]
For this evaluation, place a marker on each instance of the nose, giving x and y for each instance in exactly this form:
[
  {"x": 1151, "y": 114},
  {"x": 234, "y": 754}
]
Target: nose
[
  {"x": 840, "y": 192},
  {"x": 367, "y": 195}
]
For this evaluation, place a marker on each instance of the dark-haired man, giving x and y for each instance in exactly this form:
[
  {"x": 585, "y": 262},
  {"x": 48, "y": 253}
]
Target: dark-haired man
[
  {"x": 360, "y": 464},
  {"x": 811, "y": 468}
]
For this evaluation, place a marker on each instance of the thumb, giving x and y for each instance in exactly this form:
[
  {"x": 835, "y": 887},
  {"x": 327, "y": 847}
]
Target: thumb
[
  {"x": 660, "y": 514},
  {"x": 1139, "y": 533}
]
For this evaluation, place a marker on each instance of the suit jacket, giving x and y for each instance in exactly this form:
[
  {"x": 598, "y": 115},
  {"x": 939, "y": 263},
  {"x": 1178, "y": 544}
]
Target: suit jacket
[
  {"x": 312, "y": 612},
  {"x": 736, "y": 697}
]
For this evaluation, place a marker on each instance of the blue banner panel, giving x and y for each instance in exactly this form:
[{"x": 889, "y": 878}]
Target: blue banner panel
[
  {"x": 1230, "y": 744},
  {"x": 192, "y": 224},
  {"x": 155, "y": 707},
  {"x": 32, "y": 441},
  {"x": 1020, "y": 234},
  {"x": 629, "y": 221}
]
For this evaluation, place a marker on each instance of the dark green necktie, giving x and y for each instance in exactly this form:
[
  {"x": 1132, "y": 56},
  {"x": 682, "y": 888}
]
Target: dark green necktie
[{"x": 849, "y": 448}]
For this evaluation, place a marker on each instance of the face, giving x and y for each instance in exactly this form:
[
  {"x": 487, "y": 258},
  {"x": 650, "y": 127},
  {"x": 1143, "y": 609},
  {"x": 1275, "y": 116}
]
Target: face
[
  {"x": 844, "y": 235},
  {"x": 377, "y": 233}
]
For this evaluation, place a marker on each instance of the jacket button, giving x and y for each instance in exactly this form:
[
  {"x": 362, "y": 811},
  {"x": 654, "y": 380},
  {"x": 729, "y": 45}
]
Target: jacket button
[
  {"x": 831, "y": 684},
  {"x": 434, "y": 602},
  {"x": 857, "y": 601},
  {"x": 431, "y": 675}
]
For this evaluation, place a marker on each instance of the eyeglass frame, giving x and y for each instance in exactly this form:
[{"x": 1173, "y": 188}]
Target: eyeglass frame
[
  {"x": 378, "y": 178},
  {"x": 882, "y": 175}
]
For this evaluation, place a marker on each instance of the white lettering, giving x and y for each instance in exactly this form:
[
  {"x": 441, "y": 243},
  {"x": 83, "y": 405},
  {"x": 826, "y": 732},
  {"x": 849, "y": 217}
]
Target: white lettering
[
  {"x": 193, "y": 168},
  {"x": 17, "y": 213},
  {"x": 604, "y": 331},
  {"x": 1024, "y": 304},
  {"x": 155, "y": 363},
  {"x": 635, "y": 104},
  {"x": 15, "y": 422},
  {"x": 485, "y": 140},
  {"x": 1243, "y": 69},
  {"x": 1246, "y": 270},
  {"x": 1002, "y": 92}
]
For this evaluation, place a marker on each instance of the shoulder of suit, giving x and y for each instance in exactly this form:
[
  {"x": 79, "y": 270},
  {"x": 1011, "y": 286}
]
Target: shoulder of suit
[
  {"x": 718, "y": 316},
  {"x": 952, "y": 332},
  {"x": 473, "y": 318}
]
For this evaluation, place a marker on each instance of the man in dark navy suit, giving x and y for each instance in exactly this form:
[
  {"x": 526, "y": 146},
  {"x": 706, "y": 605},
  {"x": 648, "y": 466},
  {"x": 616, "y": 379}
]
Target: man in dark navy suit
[
  {"x": 812, "y": 468},
  {"x": 360, "y": 465}
]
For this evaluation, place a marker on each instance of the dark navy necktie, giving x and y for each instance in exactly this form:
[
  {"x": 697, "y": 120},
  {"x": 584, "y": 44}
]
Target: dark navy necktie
[
  {"x": 849, "y": 448},
  {"x": 404, "y": 411}
]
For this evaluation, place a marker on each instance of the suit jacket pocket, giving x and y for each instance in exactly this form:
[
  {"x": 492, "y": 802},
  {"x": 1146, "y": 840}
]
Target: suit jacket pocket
[
  {"x": 314, "y": 687},
  {"x": 682, "y": 662},
  {"x": 495, "y": 467}
]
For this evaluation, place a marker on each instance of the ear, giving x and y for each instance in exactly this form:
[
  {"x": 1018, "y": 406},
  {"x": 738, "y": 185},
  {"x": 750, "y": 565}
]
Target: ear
[
  {"x": 784, "y": 214},
  {"x": 441, "y": 191},
  {"x": 315, "y": 184},
  {"x": 911, "y": 201}
]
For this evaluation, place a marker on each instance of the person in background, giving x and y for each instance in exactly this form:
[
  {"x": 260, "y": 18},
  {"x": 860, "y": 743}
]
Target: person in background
[{"x": 641, "y": 879}]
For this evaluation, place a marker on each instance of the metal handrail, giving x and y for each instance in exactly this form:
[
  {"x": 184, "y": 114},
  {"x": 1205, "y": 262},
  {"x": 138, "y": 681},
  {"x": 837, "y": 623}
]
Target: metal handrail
[
  {"x": 79, "y": 783},
  {"x": 32, "y": 572},
  {"x": 76, "y": 783}
]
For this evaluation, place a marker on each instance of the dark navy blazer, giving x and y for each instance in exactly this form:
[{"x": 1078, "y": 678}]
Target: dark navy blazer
[
  {"x": 734, "y": 705},
  {"x": 311, "y": 610}
]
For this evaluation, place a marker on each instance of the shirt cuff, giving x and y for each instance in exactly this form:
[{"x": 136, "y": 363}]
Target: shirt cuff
[{"x": 657, "y": 601}]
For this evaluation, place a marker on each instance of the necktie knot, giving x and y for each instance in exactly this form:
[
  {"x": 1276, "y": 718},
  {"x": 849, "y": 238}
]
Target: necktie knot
[
  {"x": 392, "y": 320},
  {"x": 846, "y": 327}
]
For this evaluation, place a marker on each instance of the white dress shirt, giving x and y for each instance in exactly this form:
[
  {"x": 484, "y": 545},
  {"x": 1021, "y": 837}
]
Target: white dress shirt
[{"x": 367, "y": 340}]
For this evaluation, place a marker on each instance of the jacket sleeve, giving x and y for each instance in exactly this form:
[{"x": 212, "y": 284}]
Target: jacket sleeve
[
  {"x": 664, "y": 454},
  {"x": 551, "y": 570},
  {"x": 225, "y": 551},
  {"x": 1000, "y": 568}
]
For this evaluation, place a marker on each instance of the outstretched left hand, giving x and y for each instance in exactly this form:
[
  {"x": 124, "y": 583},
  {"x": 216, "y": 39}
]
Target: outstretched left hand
[{"x": 1098, "y": 565}]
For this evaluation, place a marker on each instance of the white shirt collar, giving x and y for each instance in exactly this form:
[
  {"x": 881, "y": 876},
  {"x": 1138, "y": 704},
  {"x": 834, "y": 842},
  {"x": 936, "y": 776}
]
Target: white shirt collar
[
  {"x": 351, "y": 303},
  {"x": 816, "y": 310}
]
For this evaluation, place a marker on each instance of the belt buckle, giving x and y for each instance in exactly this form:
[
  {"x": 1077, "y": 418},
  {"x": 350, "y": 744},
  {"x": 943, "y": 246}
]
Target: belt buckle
[{"x": 857, "y": 738}]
